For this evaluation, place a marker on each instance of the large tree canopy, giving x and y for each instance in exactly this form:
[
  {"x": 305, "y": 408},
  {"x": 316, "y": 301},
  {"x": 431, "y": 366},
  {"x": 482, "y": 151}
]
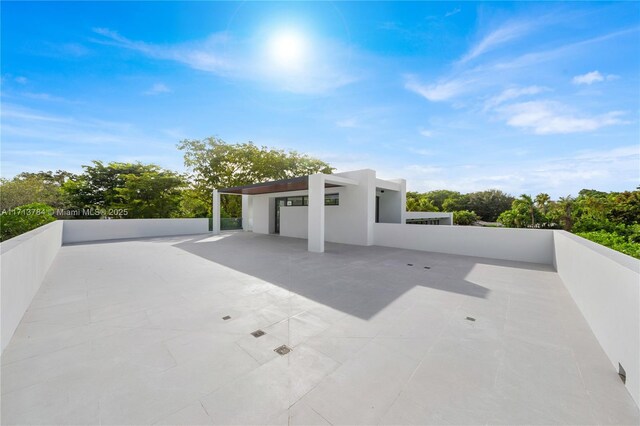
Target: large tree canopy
[
  {"x": 216, "y": 164},
  {"x": 144, "y": 190},
  {"x": 40, "y": 187}
]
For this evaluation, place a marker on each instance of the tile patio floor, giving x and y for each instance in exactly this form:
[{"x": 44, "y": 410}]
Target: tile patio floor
[{"x": 131, "y": 332}]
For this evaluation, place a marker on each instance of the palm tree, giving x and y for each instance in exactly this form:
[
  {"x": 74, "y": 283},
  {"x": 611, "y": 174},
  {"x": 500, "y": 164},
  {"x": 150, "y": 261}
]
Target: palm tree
[
  {"x": 528, "y": 202},
  {"x": 566, "y": 207},
  {"x": 542, "y": 201}
]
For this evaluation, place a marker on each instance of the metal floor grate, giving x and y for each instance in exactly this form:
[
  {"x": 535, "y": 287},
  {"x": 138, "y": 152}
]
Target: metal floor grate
[
  {"x": 258, "y": 333},
  {"x": 283, "y": 350}
]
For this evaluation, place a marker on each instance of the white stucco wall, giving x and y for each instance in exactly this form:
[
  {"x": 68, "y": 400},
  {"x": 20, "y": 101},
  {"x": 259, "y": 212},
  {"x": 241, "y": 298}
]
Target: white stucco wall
[
  {"x": 24, "y": 261},
  {"x": 605, "y": 284},
  {"x": 526, "y": 245},
  {"x": 390, "y": 204},
  {"x": 293, "y": 221},
  {"x": 351, "y": 222},
  {"x": 76, "y": 231}
]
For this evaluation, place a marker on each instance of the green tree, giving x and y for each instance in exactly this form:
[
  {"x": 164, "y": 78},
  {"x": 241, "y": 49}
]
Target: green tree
[
  {"x": 456, "y": 202},
  {"x": 562, "y": 212},
  {"x": 217, "y": 164},
  {"x": 40, "y": 187},
  {"x": 21, "y": 219},
  {"x": 146, "y": 190},
  {"x": 155, "y": 193},
  {"x": 419, "y": 203},
  {"x": 489, "y": 204},
  {"x": 192, "y": 206},
  {"x": 626, "y": 207},
  {"x": 542, "y": 202},
  {"x": 465, "y": 217},
  {"x": 526, "y": 203},
  {"x": 439, "y": 196}
]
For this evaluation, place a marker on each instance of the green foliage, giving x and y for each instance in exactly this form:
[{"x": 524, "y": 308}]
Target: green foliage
[
  {"x": 613, "y": 241},
  {"x": 192, "y": 206},
  {"x": 438, "y": 197},
  {"x": 151, "y": 194},
  {"x": 611, "y": 219},
  {"x": 419, "y": 203},
  {"x": 41, "y": 187},
  {"x": 143, "y": 190},
  {"x": 626, "y": 207},
  {"x": 21, "y": 219},
  {"x": 456, "y": 202},
  {"x": 465, "y": 217},
  {"x": 489, "y": 204},
  {"x": 217, "y": 164}
]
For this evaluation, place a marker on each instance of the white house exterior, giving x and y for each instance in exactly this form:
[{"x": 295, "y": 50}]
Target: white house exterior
[{"x": 340, "y": 208}]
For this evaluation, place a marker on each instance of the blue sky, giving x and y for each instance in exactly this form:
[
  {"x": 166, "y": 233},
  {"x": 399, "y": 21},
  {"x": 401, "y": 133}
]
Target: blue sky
[{"x": 524, "y": 97}]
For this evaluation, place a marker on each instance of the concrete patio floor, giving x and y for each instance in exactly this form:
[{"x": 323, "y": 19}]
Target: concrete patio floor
[{"x": 132, "y": 332}]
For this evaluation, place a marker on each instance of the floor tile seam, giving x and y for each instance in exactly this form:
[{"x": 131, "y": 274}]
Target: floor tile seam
[
  {"x": 308, "y": 406},
  {"x": 418, "y": 365},
  {"x": 157, "y": 419},
  {"x": 250, "y": 356},
  {"x": 47, "y": 353},
  {"x": 319, "y": 382}
]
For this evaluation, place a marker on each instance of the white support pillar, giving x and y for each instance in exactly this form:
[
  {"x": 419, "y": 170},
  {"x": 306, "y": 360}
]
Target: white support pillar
[
  {"x": 247, "y": 213},
  {"x": 316, "y": 213},
  {"x": 215, "y": 211}
]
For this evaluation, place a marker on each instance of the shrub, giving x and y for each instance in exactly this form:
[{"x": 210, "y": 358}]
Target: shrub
[
  {"x": 614, "y": 241},
  {"x": 19, "y": 220},
  {"x": 465, "y": 217}
]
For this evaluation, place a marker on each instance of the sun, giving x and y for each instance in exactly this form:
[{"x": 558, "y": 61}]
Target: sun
[{"x": 287, "y": 49}]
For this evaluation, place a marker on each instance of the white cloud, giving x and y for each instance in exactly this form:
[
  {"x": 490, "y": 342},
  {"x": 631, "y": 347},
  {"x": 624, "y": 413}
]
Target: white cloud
[
  {"x": 426, "y": 133},
  {"x": 158, "y": 88},
  {"x": 441, "y": 91},
  {"x": 588, "y": 78},
  {"x": 613, "y": 169},
  {"x": 323, "y": 69},
  {"x": 536, "y": 58},
  {"x": 424, "y": 169},
  {"x": 547, "y": 117},
  {"x": 21, "y": 80},
  {"x": 46, "y": 97},
  {"x": 204, "y": 56},
  {"x": 421, "y": 151},
  {"x": 348, "y": 123},
  {"x": 513, "y": 93},
  {"x": 502, "y": 35},
  {"x": 452, "y": 12}
]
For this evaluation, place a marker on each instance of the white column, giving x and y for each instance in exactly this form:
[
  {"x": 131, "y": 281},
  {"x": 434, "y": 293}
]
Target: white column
[
  {"x": 403, "y": 200},
  {"x": 215, "y": 211},
  {"x": 316, "y": 213},
  {"x": 247, "y": 212}
]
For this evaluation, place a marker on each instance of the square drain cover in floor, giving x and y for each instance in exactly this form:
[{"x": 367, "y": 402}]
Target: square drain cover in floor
[
  {"x": 226, "y": 317},
  {"x": 258, "y": 333},
  {"x": 283, "y": 350}
]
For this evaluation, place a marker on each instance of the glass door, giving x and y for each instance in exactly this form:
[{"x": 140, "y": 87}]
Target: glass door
[{"x": 279, "y": 203}]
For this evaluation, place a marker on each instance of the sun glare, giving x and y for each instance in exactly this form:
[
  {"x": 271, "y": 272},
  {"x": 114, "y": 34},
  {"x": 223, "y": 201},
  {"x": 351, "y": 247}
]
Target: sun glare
[{"x": 287, "y": 49}]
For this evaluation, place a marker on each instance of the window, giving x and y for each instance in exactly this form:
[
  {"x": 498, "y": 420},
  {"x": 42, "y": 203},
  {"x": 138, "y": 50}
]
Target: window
[
  {"x": 303, "y": 200},
  {"x": 332, "y": 199}
]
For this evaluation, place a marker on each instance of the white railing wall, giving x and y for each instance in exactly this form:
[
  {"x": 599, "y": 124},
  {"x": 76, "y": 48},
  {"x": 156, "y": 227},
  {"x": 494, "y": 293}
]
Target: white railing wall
[
  {"x": 76, "y": 231},
  {"x": 605, "y": 284},
  {"x": 24, "y": 261},
  {"x": 526, "y": 245}
]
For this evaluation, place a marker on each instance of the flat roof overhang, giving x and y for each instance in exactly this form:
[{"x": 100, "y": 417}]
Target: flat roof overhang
[{"x": 284, "y": 185}]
